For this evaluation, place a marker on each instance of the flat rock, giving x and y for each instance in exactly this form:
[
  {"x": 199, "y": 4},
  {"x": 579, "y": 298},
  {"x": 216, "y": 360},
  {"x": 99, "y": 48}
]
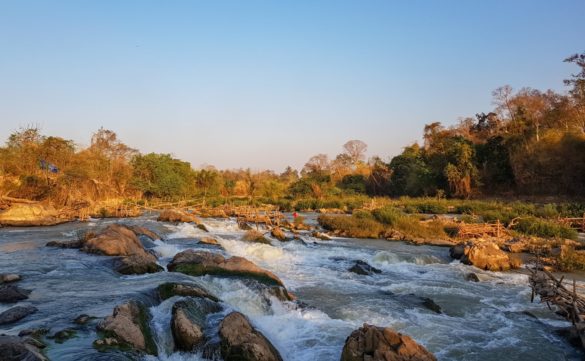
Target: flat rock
[
  {"x": 11, "y": 293},
  {"x": 30, "y": 215},
  {"x": 16, "y": 313},
  {"x": 168, "y": 290},
  {"x": 363, "y": 268},
  {"x": 241, "y": 342},
  {"x": 9, "y": 277},
  {"x": 137, "y": 264}
]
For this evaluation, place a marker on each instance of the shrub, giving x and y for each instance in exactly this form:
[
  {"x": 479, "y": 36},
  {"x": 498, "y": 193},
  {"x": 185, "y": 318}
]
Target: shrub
[
  {"x": 544, "y": 228},
  {"x": 388, "y": 215},
  {"x": 352, "y": 226}
]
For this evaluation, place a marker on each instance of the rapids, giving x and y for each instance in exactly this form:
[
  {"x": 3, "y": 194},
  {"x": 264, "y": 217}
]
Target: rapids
[{"x": 489, "y": 320}]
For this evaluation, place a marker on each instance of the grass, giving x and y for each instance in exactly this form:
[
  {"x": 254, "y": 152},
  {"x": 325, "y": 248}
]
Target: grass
[
  {"x": 544, "y": 228},
  {"x": 352, "y": 226}
]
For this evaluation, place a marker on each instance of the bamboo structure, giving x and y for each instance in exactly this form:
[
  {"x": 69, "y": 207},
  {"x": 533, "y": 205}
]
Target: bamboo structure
[
  {"x": 574, "y": 222},
  {"x": 568, "y": 297},
  {"x": 482, "y": 230}
]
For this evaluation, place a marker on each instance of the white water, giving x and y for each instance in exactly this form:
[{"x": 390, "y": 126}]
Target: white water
[{"x": 480, "y": 321}]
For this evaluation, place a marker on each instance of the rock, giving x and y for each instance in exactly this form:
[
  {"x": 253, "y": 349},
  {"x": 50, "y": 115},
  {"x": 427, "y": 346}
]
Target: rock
[
  {"x": 174, "y": 215},
  {"x": 65, "y": 244},
  {"x": 137, "y": 264},
  {"x": 33, "y": 332},
  {"x": 472, "y": 277},
  {"x": 199, "y": 263},
  {"x": 244, "y": 226},
  {"x": 82, "y": 319},
  {"x": 129, "y": 325},
  {"x": 209, "y": 241},
  {"x": 14, "y": 348},
  {"x": 12, "y": 293},
  {"x": 241, "y": 342},
  {"x": 278, "y": 233},
  {"x": 28, "y": 215},
  {"x": 9, "y": 277},
  {"x": 255, "y": 236},
  {"x": 168, "y": 290},
  {"x": 188, "y": 321},
  {"x": 116, "y": 240},
  {"x": 516, "y": 245},
  {"x": 363, "y": 268},
  {"x": 372, "y": 343},
  {"x": 16, "y": 313},
  {"x": 63, "y": 335},
  {"x": 142, "y": 231},
  {"x": 411, "y": 299},
  {"x": 485, "y": 255},
  {"x": 321, "y": 236}
]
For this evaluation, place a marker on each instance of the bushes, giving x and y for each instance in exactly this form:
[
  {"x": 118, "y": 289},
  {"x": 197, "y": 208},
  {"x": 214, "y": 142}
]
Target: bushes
[
  {"x": 352, "y": 226},
  {"x": 544, "y": 228},
  {"x": 387, "y": 215}
]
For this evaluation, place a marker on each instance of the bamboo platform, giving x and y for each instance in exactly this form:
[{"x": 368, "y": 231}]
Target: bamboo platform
[{"x": 482, "y": 230}]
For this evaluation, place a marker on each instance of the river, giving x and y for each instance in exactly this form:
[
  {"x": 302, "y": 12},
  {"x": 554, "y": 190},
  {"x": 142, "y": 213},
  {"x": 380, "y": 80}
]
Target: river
[{"x": 488, "y": 320}]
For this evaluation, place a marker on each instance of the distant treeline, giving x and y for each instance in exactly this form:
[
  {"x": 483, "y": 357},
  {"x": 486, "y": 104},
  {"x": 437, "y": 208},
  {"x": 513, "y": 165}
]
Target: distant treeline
[{"x": 531, "y": 143}]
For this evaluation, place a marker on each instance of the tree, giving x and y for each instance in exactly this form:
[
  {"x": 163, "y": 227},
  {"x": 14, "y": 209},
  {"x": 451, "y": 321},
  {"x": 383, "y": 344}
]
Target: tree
[
  {"x": 161, "y": 176},
  {"x": 356, "y": 150},
  {"x": 317, "y": 164}
]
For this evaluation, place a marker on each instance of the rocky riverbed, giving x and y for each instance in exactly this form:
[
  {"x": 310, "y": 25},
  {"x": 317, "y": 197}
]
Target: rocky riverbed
[{"x": 205, "y": 290}]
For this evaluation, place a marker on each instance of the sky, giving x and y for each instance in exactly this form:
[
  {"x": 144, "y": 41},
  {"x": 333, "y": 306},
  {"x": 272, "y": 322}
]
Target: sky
[{"x": 266, "y": 84}]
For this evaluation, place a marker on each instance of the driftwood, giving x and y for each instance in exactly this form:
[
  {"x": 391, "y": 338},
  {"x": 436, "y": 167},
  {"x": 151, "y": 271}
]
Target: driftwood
[{"x": 566, "y": 296}]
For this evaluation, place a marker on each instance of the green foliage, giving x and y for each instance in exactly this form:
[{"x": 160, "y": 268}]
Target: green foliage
[
  {"x": 354, "y": 183},
  {"x": 161, "y": 176},
  {"x": 544, "y": 228},
  {"x": 388, "y": 215}
]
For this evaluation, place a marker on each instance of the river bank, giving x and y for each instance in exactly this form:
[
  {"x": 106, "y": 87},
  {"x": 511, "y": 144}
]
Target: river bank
[{"x": 487, "y": 320}]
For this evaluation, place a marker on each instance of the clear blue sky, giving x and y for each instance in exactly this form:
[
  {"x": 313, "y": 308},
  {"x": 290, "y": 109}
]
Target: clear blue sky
[{"x": 264, "y": 84}]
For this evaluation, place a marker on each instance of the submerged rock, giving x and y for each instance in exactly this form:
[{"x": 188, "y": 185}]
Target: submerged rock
[
  {"x": 241, "y": 342},
  {"x": 485, "y": 255},
  {"x": 188, "y": 322},
  {"x": 16, "y": 314},
  {"x": 11, "y": 293},
  {"x": 142, "y": 231},
  {"x": 82, "y": 319},
  {"x": 256, "y": 237},
  {"x": 29, "y": 215},
  {"x": 210, "y": 241},
  {"x": 168, "y": 290},
  {"x": 63, "y": 335},
  {"x": 372, "y": 343},
  {"x": 278, "y": 233},
  {"x": 472, "y": 277},
  {"x": 9, "y": 277},
  {"x": 129, "y": 325},
  {"x": 14, "y": 348},
  {"x": 411, "y": 300},
  {"x": 363, "y": 268},
  {"x": 199, "y": 263},
  {"x": 65, "y": 244},
  {"x": 322, "y": 236}
]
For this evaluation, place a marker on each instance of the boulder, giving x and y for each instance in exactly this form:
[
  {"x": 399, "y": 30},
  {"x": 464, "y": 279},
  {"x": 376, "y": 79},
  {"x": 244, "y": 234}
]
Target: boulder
[
  {"x": 210, "y": 241},
  {"x": 255, "y": 236},
  {"x": 174, "y": 215},
  {"x": 199, "y": 263},
  {"x": 241, "y": 342},
  {"x": 472, "y": 277},
  {"x": 322, "y": 236},
  {"x": 142, "y": 231},
  {"x": 82, "y": 319},
  {"x": 129, "y": 325},
  {"x": 485, "y": 255},
  {"x": 9, "y": 277},
  {"x": 16, "y": 314},
  {"x": 115, "y": 240},
  {"x": 168, "y": 290},
  {"x": 14, "y": 348},
  {"x": 11, "y": 293},
  {"x": 63, "y": 335},
  {"x": 137, "y": 264},
  {"x": 278, "y": 233},
  {"x": 363, "y": 268},
  {"x": 372, "y": 343},
  {"x": 188, "y": 322},
  {"x": 65, "y": 244},
  {"x": 28, "y": 215}
]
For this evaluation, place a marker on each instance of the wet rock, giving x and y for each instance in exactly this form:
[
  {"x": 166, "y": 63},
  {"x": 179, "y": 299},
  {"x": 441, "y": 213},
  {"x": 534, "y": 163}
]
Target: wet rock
[
  {"x": 9, "y": 277},
  {"x": 188, "y": 321},
  {"x": 174, "y": 215},
  {"x": 33, "y": 332},
  {"x": 29, "y": 215},
  {"x": 63, "y": 335},
  {"x": 142, "y": 231},
  {"x": 16, "y": 313},
  {"x": 137, "y": 264},
  {"x": 199, "y": 263},
  {"x": 278, "y": 233},
  {"x": 431, "y": 305},
  {"x": 210, "y": 241},
  {"x": 168, "y": 290},
  {"x": 129, "y": 325},
  {"x": 82, "y": 319},
  {"x": 65, "y": 244},
  {"x": 472, "y": 277},
  {"x": 241, "y": 342},
  {"x": 363, "y": 268},
  {"x": 411, "y": 299},
  {"x": 244, "y": 226},
  {"x": 11, "y": 293},
  {"x": 256, "y": 237},
  {"x": 322, "y": 236},
  {"x": 372, "y": 343},
  {"x": 485, "y": 255},
  {"x": 14, "y": 348},
  {"x": 115, "y": 240}
]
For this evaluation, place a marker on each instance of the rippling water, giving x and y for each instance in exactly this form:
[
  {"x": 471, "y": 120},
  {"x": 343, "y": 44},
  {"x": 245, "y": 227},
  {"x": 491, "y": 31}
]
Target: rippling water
[{"x": 490, "y": 320}]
